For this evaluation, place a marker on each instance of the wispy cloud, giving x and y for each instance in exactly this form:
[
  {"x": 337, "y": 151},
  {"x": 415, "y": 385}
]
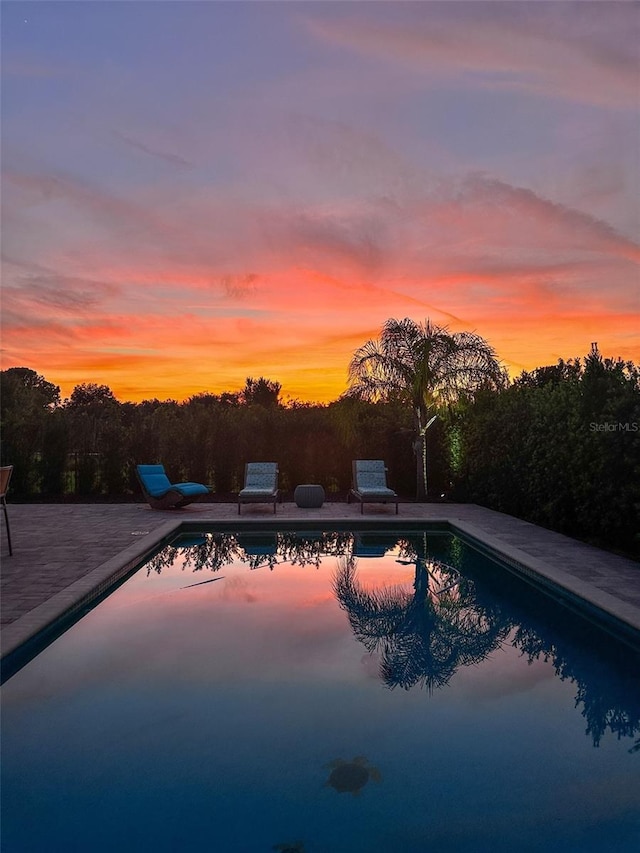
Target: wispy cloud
[
  {"x": 34, "y": 68},
  {"x": 168, "y": 157},
  {"x": 578, "y": 51}
]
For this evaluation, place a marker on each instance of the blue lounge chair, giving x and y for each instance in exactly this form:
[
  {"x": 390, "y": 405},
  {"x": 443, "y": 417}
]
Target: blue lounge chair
[
  {"x": 370, "y": 483},
  {"x": 260, "y": 484},
  {"x": 161, "y": 493}
]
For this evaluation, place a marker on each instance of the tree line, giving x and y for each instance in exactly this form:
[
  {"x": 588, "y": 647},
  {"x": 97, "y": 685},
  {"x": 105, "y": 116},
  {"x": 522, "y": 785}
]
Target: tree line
[
  {"x": 558, "y": 446},
  {"x": 89, "y": 444}
]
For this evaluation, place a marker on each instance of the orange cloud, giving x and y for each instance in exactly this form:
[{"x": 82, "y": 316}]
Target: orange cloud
[{"x": 158, "y": 297}]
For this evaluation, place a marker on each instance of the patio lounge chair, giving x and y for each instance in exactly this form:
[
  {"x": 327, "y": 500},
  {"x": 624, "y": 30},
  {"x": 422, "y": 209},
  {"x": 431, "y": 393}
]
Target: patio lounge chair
[
  {"x": 370, "y": 483},
  {"x": 260, "y": 484},
  {"x": 258, "y": 544},
  {"x": 5, "y": 476},
  {"x": 373, "y": 544},
  {"x": 161, "y": 493}
]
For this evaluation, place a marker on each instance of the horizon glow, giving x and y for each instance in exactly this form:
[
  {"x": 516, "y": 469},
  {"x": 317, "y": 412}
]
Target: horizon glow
[{"x": 195, "y": 192}]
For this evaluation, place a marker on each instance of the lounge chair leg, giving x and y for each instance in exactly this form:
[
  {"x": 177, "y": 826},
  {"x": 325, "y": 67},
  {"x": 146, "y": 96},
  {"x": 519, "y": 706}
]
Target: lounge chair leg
[
  {"x": 6, "y": 521},
  {"x": 238, "y": 507}
]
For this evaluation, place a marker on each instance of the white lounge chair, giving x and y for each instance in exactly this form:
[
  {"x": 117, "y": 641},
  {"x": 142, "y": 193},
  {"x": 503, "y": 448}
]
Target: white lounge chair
[
  {"x": 260, "y": 484},
  {"x": 370, "y": 483}
]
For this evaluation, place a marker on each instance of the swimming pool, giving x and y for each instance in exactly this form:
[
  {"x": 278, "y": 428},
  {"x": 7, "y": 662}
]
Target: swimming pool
[{"x": 346, "y": 690}]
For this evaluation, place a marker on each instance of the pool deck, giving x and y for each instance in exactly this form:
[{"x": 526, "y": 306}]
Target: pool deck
[{"x": 64, "y": 552}]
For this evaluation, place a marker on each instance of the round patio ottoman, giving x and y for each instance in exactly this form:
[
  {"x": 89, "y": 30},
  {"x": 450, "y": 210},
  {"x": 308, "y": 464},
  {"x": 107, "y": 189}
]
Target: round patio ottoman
[{"x": 309, "y": 496}]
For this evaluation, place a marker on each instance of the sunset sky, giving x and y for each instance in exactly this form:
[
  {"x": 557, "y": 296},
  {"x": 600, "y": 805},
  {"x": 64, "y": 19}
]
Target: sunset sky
[{"x": 197, "y": 192}]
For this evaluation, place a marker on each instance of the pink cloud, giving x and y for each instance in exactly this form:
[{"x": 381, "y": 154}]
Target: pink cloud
[{"x": 583, "y": 52}]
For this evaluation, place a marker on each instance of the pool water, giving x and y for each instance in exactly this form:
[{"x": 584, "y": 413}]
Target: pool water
[{"x": 324, "y": 692}]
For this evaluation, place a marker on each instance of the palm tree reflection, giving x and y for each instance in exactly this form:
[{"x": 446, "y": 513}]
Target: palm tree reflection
[{"x": 423, "y": 636}]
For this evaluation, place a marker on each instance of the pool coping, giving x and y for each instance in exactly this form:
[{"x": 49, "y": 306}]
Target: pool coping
[
  {"x": 39, "y": 624},
  {"x": 572, "y": 591},
  {"x": 83, "y": 591}
]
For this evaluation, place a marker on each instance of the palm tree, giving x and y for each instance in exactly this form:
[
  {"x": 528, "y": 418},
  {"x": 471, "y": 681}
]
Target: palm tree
[{"x": 426, "y": 366}]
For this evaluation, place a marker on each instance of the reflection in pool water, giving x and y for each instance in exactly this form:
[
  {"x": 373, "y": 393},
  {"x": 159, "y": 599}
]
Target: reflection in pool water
[
  {"x": 189, "y": 714},
  {"x": 351, "y": 776}
]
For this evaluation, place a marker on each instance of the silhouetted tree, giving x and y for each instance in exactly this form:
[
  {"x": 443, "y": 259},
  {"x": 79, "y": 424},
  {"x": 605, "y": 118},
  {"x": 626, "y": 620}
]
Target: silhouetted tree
[
  {"x": 90, "y": 394},
  {"x": 26, "y": 402},
  {"x": 559, "y": 448},
  {"x": 94, "y": 416},
  {"x": 55, "y": 446},
  {"x": 261, "y": 392},
  {"x": 425, "y": 366}
]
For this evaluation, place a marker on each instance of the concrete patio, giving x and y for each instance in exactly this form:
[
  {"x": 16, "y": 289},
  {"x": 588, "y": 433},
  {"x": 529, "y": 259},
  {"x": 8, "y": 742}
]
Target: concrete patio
[{"x": 63, "y": 553}]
